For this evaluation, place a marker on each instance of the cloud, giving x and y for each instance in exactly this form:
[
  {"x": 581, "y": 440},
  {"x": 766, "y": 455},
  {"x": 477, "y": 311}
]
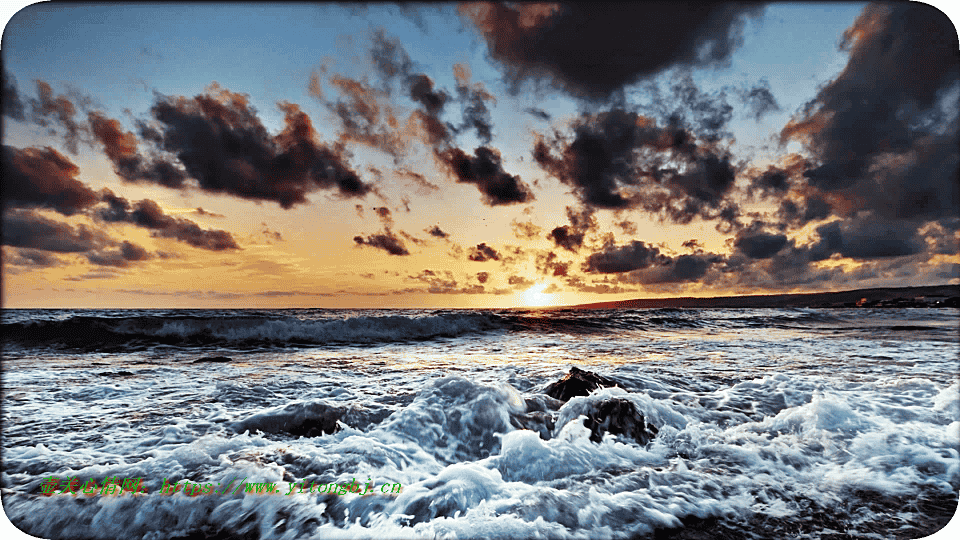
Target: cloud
[
  {"x": 616, "y": 259},
  {"x": 27, "y": 229},
  {"x": 759, "y": 100},
  {"x": 682, "y": 269},
  {"x": 485, "y": 170},
  {"x": 570, "y": 237},
  {"x": 619, "y": 159},
  {"x": 436, "y": 232},
  {"x": 60, "y": 110},
  {"x": 29, "y": 258},
  {"x": 883, "y": 135},
  {"x": 760, "y": 245},
  {"x": 44, "y": 178},
  {"x": 539, "y": 114},
  {"x": 520, "y": 282},
  {"x": 119, "y": 258},
  {"x": 591, "y": 50},
  {"x": 219, "y": 141},
  {"x": 473, "y": 98},
  {"x": 148, "y": 214},
  {"x": 387, "y": 241},
  {"x": 13, "y": 106},
  {"x": 866, "y": 239},
  {"x": 525, "y": 230},
  {"x": 201, "y": 212},
  {"x": 482, "y": 252},
  {"x": 482, "y": 277},
  {"x": 366, "y": 117}
]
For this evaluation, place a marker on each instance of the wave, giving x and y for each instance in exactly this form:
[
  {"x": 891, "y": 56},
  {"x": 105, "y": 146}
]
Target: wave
[{"x": 88, "y": 332}]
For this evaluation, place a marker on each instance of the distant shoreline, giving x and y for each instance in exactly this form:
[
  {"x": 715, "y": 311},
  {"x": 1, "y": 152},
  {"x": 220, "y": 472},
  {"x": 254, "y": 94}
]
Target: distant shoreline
[{"x": 930, "y": 296}]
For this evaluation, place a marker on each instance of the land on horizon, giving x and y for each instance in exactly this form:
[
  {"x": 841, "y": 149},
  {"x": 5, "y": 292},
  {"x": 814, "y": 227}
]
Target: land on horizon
[{"x": 928, "y": 296}]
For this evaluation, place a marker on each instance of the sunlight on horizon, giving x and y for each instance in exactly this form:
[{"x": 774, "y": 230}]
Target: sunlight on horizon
[{"x": 535, "y": 297}]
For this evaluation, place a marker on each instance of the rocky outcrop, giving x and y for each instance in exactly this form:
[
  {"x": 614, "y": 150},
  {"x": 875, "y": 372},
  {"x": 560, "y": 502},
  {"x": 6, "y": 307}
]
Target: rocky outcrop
[
  {"x": 297, "y": 419},
  {"x": 578, "y": 383},
  {"x": 619, "y": 416}
]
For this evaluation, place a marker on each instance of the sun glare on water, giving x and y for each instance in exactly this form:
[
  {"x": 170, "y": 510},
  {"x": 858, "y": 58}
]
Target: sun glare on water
[{"x": 535, "y": 297}]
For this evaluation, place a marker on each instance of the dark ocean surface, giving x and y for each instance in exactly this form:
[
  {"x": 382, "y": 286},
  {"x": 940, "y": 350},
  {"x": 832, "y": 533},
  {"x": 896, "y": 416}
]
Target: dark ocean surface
[{"x": 770, "y": 423}]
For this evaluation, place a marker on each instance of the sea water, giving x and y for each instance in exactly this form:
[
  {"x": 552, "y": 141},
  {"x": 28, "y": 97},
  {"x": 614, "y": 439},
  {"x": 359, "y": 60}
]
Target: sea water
[{"x": 772, "y": 423}]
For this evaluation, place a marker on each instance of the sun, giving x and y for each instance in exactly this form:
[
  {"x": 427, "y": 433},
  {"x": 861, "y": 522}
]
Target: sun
[{"x": 535, "y": 297}]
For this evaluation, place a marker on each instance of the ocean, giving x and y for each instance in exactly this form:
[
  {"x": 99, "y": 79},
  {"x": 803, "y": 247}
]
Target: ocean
[{"x": 761, "y": 423}]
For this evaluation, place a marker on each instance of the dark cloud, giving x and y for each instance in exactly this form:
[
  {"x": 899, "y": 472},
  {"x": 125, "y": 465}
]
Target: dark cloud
[
  {"x": 44, "y": 178},
  {"x": 366, "y": 117},
  {"x": 59, "y": 110},
  {"x": 119, "y": 258},
  {"x": 628, "y": 227},
  {"x": 473, "y": 100},
  {"x": 690, "y": 108},
  {"x": 387, "y": 241},
  {"x": 866, "y": 239},
  {"x": 436, "y": 232},
  {"x": 570, "y": 237},
  {"x": 394, "y": 64},
  {"x": 422, "y": 92},
  {"x": 482, "y": 253},
  {"x": 27, "y": 229},
  {"x": 539, "y": 114},
  {"x": 201, "y": 212},
  {"x": 616, "y": 259},
  {"x": 148, "y": 214},
  {"x": 693, "y": 244},
  {"x": 682, "y": 269},
  {"x": 594, "y": 49},
  {"x": 121, "y": 147},
  {"x": 760, "y": 100},
  {"x": 219, "y": 141},
  {"x": 884, "y": 133},
  {"x": 548, "y": 263},
  {"x": 485, "y": 170},
  {"x": 383, "y": 213},
  {"x": 618, "y": 159},
  {"x": 29, "y": 258},
  {"x": 12, "y": 104},
  {"x": 760, "y": 245}
]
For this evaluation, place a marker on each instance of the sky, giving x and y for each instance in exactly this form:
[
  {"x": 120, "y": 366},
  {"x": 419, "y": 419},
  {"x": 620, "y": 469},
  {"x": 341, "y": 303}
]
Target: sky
[{"x": 474, "y": 155}]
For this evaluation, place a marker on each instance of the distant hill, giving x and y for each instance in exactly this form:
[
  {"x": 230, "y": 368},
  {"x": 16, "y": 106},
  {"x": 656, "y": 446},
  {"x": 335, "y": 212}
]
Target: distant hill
[{"x": 932, "y": 296}]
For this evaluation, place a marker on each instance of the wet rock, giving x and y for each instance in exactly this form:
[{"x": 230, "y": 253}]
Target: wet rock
[
  {"x": 620, "y": 417},
  {"x": 121, "y": 373},
  {"x": 577, "y": 383},
  {"x": 539, "y": 421},
  {"x": 298, "y": 419},
  {"x": 540, "y": 402},
  {"x": 216, "y": 359}
]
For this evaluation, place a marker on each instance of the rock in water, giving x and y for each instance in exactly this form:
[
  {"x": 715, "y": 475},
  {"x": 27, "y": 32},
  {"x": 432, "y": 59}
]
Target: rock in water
[
  {"x": 216, "y": 359},
  {"x": 311, "y": 419},
  {"x": 620, "y": 417},
  {"x": 577, "y": 383}
]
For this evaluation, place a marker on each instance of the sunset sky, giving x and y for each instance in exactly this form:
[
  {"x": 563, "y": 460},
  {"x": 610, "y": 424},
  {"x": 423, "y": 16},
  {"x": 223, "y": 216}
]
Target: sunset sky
[{"x": 474, "y": 155}]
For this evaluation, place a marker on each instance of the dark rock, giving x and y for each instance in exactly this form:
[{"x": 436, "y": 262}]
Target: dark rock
[
  {"x": 299, "y": 419},
  {"x": 540, "y": 421},
  {"x": 540, "y": 402},
  {"x": 577, "y": 383},
  {"x": 121, "y": 373},
  {"x": 217, "y": 359},
  {"x": 620, "y": 417}
]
